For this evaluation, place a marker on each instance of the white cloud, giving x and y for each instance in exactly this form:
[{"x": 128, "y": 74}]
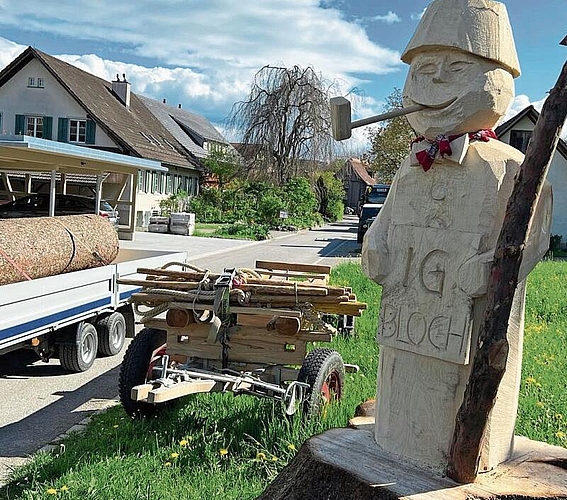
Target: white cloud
[
  {"x": 9, "y": 51},
  {"x": 209, "y": 51},
  {"x": 416, "y": 16},
  {"x": 389, "y": 18}
]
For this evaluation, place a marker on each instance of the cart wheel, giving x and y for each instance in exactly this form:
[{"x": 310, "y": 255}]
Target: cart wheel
[
  {"x": 136, "y": 368},
  {"x": 79, "y": 353},
  {"x": 323, "y": 369},
  {"x": 111, "y": 333}
]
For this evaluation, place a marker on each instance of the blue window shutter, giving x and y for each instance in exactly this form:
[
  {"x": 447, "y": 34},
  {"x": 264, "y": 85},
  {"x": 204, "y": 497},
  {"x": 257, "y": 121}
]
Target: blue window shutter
[
  {"x": 63, "y": 130},
  {"x": 20, "y": 128},
  {"x": 48, "y": 127},
  {"x": 91, "y": 132}
]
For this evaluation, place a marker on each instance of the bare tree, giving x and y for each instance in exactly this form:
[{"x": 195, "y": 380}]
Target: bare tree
[
  {"x": 285, "y": 122},
  {"x": 390, "y": 142}
]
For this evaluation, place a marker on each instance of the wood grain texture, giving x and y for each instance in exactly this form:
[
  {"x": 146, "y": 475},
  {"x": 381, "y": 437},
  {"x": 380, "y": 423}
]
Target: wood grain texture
[
  {"x": 46, "y": 246},
  {"x": 330, "y": 465}
]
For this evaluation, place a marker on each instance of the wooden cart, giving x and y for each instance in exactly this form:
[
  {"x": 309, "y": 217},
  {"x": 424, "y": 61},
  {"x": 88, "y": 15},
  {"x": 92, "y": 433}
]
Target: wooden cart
[{"x": 244, "y": 331}]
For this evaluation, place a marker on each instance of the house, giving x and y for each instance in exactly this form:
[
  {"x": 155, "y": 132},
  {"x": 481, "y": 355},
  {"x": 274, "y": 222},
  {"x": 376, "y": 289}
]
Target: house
[
  {"x": 195, "y": 132},
  {"x": 44, "y": 97},
  {"x": 517, "y": 132},
  {"x": 356, "y": 180}
]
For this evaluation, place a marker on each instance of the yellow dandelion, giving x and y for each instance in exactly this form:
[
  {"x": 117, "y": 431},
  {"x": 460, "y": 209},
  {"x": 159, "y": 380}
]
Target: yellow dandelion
[
  {"x": 64, "y": 488},
  {"x": 274, "y": 459},
  {"x": 174, "y": 455},
  {"x": 183, "y": 442},
  {"x": 539, "y": 404},
  {"x": 560, "y": 434},
  {"x": 291, "y": 447},
  {"x": 558, "y": 416},
  {"x": 167, "y": 464},
  {"x": 531, "y": 380},
  {"x": 51, "y": 491},
  {"x": 538, "y": 384},
  {"x": 223, "y": 452},
  {"x": 260, "y": 456}
]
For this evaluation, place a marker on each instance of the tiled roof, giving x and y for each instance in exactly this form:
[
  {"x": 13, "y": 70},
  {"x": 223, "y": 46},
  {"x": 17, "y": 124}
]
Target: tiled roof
[
  {"x": 197, "y": 124},
  {"x": 164, "y": 115},
  {"x": 136, "y": 131},
  {"x": 360, "y": 170}
]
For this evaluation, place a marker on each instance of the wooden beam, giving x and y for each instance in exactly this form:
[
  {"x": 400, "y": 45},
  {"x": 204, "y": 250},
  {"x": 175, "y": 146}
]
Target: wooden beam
[{"x": 292, "y": 266}]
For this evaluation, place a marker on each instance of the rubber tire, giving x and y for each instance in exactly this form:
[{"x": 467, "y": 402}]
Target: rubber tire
[
  {"x": 79, "y": 354},
  {"x": 134, "y": 370},
  {"x": 111, "y": 333},
  {"x": 317, "y": 367}
]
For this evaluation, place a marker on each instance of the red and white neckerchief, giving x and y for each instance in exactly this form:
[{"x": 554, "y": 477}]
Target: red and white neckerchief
[{"x": 442, "y": 146}]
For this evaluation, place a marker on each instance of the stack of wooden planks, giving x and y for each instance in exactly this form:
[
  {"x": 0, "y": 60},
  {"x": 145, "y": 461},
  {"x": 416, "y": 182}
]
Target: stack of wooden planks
[
  {"x": 254, "y": 289},
  {"x": 270, "y": 312}
]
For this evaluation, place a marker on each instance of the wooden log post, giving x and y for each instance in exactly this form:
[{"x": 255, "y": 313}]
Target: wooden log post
[{"x": 490, "y": 359}]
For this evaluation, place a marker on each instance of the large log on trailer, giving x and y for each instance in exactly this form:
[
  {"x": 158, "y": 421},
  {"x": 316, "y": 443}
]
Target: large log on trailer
[{"x": 45, "y": 246}]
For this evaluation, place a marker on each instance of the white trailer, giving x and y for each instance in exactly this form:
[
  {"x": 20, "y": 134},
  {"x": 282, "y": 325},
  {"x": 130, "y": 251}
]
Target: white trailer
[{"x": 77, "y": 315}]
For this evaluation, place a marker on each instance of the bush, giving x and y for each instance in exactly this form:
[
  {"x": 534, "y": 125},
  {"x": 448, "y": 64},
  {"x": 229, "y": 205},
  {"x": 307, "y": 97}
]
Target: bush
[
  {"x": 331, "y": 193},
  {"x": 260, "y": 203},
  {"x": 246, "y": 231},
  {"x": 555, "y": 242}
]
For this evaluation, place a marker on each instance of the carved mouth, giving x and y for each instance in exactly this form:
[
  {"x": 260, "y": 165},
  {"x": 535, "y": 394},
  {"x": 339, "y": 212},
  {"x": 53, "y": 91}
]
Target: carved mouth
[{"x": 436, "y": 106}]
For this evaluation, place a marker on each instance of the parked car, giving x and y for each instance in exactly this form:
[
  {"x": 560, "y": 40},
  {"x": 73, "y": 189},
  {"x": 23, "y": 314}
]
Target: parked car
[
  {"x": 37, "y": 205},
  {"x": 368, "y": 213}
]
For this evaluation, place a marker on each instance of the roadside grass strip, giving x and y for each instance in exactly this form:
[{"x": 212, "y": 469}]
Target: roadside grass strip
[{"x": 222, "y": 446}]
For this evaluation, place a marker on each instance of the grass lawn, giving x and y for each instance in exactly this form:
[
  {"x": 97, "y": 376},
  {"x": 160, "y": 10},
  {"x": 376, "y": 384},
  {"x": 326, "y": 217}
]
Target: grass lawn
[
  {"x": 204, "y": 229},
  {"x": 221, "y": 446}
]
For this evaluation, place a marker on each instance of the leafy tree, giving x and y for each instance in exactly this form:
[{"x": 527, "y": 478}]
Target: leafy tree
[
  {"x": 285, "y": 122},
  {"x": 390, "y": 142},
  {"x": 223, "y": 165},
  {"x": 331, "y": 193}
]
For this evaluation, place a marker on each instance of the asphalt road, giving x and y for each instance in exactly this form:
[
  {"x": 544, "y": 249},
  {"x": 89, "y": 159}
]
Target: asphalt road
[{"x": 41, "y": 401}]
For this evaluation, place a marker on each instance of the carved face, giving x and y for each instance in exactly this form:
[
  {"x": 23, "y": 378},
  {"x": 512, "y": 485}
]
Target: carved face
[{"x": 480, "y": 88}]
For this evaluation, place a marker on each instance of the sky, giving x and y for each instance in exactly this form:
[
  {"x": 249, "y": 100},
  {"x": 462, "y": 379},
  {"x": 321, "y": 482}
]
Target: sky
[{"x": 204, "y": 55}]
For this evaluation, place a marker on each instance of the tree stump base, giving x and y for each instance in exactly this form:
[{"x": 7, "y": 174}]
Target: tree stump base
[{"x": 348, "y": 464}]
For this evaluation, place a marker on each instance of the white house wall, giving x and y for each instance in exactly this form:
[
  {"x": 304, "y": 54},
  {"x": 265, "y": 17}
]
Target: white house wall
[
  {"x": 51, "y": 100},
  {"x": 557, "y": 176}
]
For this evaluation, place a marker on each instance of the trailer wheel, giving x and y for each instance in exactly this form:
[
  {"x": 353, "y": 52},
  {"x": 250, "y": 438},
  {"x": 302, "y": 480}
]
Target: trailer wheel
[
  {"x": 136, "y": 368},
  {"x": 79, "y": 354},
  {"x": 111, "y": 333},
  {"x": 323, "y": 369}
]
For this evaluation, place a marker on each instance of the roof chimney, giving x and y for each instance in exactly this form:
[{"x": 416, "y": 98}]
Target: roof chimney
[
  {"x": 122, "y": 90},
  {"x": 164, "y": 100},
  {"x": 179, "y": 105}
]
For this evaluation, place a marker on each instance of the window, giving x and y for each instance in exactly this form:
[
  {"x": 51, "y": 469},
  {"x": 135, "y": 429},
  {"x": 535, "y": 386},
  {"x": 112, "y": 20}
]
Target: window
[
  {"x": 77, "y": 130},
  {"x": 37, "y": 83},
  {"x": 34, "y": 126},
  {"x": 520, "y": 139}
]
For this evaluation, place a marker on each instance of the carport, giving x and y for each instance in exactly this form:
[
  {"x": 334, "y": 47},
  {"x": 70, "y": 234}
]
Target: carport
[{"x": 30, "y": 155}]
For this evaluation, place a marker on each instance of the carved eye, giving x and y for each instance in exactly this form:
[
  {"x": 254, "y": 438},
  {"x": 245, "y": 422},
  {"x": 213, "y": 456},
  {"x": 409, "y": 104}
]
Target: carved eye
[
  {"x": 457, "y": 66},
  {"x": 426, "y": 69}
]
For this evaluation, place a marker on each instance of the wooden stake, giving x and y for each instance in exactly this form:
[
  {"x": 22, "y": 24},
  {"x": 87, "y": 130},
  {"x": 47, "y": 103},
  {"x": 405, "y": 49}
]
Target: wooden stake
[{"x": 490, "y": 359}]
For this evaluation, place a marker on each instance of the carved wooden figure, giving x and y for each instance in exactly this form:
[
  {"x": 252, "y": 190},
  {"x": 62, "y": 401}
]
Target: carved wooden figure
[{"x": 433, "y": 241}]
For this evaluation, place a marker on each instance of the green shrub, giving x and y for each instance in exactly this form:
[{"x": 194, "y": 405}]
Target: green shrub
[
  {"x": 331, "y": 193},
  {"x": 242, "y": 230}
]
